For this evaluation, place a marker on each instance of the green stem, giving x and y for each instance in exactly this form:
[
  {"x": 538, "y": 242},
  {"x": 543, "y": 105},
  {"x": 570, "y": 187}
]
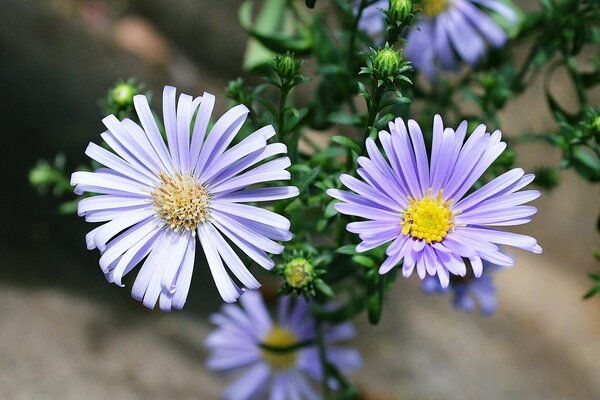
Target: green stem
[
  {"x": 281, "y": 134},
  {"x": 373, "y": 111}
]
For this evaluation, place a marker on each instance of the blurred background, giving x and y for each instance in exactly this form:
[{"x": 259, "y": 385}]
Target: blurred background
[{"x": 65, "y": 333}]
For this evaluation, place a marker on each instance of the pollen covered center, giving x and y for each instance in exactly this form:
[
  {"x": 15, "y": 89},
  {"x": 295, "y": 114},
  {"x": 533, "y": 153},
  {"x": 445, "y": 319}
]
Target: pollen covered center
[
  {"x": 280, "y": 338},
  {"x": 181, "y": 201},
  {"x": 428, "y": 218},
  {"x": 433, "y": 8}
]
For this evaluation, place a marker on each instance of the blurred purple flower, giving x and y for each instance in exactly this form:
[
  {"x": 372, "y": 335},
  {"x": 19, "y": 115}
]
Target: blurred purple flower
[
  {"x": 421, "y": 207},
  {"x": 238, "y": 344},
  {"x": 469, "y": 292},
  {"x": 157, "y": 196},
  {"x": 446, "y": 31}
]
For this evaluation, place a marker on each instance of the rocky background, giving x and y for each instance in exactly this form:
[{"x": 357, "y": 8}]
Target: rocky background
[{"x": 66, "y": 334}]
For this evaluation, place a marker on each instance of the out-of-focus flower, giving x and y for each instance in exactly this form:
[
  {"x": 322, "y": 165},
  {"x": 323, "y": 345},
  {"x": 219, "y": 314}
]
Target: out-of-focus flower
[
  {"x": 446, "y": 31},
  {"x": 469, "y": 292},
  {"x": 156, "y": 196},
  {"x": 421, "y": 206},
  {"x": 274, "y": 357}
]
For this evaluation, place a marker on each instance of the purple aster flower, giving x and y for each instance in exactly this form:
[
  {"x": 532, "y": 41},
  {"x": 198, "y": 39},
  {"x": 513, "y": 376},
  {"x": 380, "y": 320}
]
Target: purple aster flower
[
  {"x": 423, "y": 208},
  {"x": 446, "y": 31},
  {"x": 243, "y": 333},
  {"x": 469, "y": 291},
  {"x": 155, "y": 196}
]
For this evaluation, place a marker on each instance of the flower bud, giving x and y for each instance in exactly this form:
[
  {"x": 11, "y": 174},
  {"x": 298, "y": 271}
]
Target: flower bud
[
  {"x": 400, "y": 10},
  {"x": 286, "y": 67},
  {"x": 386, "y": 63},
  {"x": 595, "y": 125},
  {"x": 123, "y": 93},
  {"x": 298, "y": 273}
]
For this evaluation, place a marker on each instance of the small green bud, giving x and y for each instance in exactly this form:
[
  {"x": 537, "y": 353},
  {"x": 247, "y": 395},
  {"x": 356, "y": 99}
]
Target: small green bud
[
  {"x": 400, "y": 10},
  {"x": 386, "y": 63},
  {"x": 286, "y": 67},
  {"x": 123, "y": 93},
  {"x": 595, "y": 125},
  {"x": 42, "y": 174},
  {"x": 298, "y": 273},
  {"x": 119, "y": 99}
]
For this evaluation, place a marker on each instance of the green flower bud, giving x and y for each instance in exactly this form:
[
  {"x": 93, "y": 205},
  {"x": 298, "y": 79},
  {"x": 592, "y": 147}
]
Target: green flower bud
[
  {"x": 595, "y": 125},
  {"x": 386, "y": 63},
  {"x": 42, "y": 174},
  {"x": 298, "y": 273},
  {"x": 400, "y": 10},
  {"x": 123, "y": 93},
  {"x": 286, "y": 67}
]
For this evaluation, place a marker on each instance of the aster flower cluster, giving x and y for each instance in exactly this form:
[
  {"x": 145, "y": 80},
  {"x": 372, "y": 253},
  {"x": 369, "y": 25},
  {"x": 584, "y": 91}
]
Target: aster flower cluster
[{"x": 266, "y": 194}]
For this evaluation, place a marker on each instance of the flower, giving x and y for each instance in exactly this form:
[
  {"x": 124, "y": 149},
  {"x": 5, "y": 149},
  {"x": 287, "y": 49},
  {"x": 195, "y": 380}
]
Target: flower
[
  {"x": 155, "y": 197},
  {"x": 446, "y": 30},
  {"x": 424, "y": 209},
  {"x": 469, "y": 291},
  {"x": 244, "y": 335}
]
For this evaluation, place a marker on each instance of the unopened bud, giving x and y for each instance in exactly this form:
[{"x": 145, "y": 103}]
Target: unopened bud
[
  {"x": 400, "y": 10},
  {"x": 386, "y": 63},
  {"x": 298, "y": 273}
]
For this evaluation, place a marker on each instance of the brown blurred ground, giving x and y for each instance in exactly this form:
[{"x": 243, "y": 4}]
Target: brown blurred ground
[{"x": 66, "y": 334}]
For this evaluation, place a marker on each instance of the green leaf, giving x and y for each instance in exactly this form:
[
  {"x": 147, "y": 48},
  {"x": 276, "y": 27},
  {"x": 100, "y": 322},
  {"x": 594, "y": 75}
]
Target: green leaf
[
  {"x": 307, "y": 180},
  {"x": 330, "y": 210},
  {"x": 269, "y": 31},
  {"x": 349, "y": 249},
  {"x": 586, "y": 164},
  {"x": 343, "y": 118},
  {"x": 346, "y": 142},
  {"x": 324, "y": 288},
  {"x": 364, "y": 261}
]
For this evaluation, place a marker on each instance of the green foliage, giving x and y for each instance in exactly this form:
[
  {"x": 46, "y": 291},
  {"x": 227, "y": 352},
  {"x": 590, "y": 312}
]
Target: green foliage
[{"x": 357, "y": 86}]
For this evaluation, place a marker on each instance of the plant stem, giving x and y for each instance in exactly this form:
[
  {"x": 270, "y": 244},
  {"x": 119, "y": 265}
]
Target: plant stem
[
  {"x": 280, "y": 133},
  {"x": 373, "y": 106}
]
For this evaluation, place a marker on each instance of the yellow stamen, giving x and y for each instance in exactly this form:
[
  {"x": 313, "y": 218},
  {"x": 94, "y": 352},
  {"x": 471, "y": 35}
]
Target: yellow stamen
[
  {"x": 428, "y": 218},
  {"x": 181, "y": 201},
  {"x": 433, "y": 8},
  {"x": 281, "y": 338}
]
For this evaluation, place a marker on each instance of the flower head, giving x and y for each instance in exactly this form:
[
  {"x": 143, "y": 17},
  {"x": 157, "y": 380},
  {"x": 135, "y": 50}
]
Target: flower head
[
  {"x": 155, "y": 197},
  {"x": 469, "y": 292},
  {"x": 424, "y": 207},
  {"x": 446, "y": 31},
  {"x": 298, "y": 273},
  {"x": 274, "y": 357}
]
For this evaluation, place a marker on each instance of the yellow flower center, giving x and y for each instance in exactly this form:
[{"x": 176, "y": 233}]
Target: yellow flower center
[
  {"x": 181, "y": 201},
  {"x": 428, "y": 218},
  {"x": 433, "y": 8},
  {"x": 280, "y": 338}
]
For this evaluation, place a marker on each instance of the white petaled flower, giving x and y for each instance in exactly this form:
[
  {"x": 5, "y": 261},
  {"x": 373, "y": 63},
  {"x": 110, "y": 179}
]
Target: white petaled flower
[{"x": 155, "y": 197}]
